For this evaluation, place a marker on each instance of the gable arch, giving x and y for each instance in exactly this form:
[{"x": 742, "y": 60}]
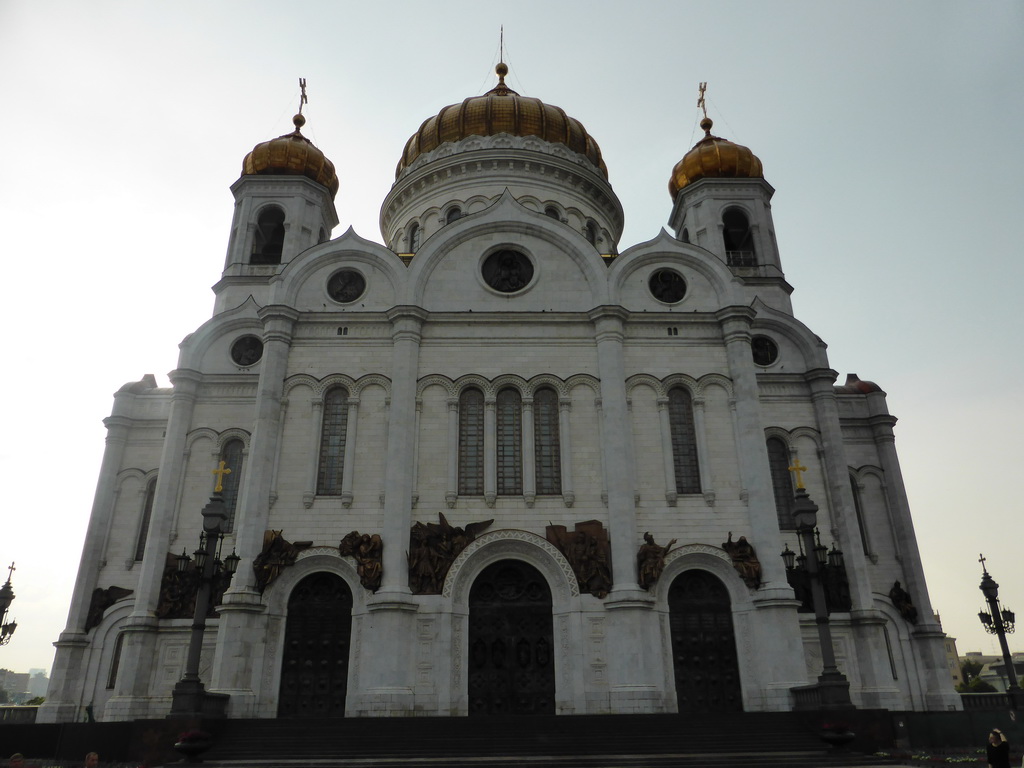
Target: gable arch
[
  {"x": 665, "y": 250},
  {"x": 705, "y": 557},
  {"x": 807, "y": 344},
  {"x": 220, "y": 328},
  {"x": 511, "y": 544}
]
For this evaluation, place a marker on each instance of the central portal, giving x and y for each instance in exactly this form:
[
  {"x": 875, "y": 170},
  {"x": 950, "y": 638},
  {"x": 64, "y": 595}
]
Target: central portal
[{"x": 511, "y": 670}]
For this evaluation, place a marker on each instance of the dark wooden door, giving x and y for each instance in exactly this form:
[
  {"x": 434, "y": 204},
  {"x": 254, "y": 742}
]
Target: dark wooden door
[
  {"x": 703, "y": 644},
  {"x": 511, "y": 649},
  {"x": 314, "y": 671}
]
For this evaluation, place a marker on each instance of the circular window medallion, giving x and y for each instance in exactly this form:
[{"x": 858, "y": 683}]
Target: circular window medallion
[
  {"x": 667, "y": 285},
  {"x": 346, "y": 286},
  {"x": 765, "y": 351},
  {"x": 247, "y": 351},
  {"x": 507, "y": 271}
]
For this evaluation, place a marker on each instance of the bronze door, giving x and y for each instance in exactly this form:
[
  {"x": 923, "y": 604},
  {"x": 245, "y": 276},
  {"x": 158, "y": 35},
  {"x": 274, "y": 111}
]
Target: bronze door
[
  {"x": 511, "y": 664},
  {"x": 703, "y": 645},
  {"x": 314, "y": 670}
]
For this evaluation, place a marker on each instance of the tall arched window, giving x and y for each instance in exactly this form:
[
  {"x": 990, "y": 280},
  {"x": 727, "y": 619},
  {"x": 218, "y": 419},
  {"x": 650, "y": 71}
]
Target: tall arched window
[
  {"x": 471, "y": 442},
  {"x": 414, "y": 238},
  {"x": 454, "y": 214},
  {"x": 865, "y": 540},
  {"x": 547, "y": 449},
  {"x": 231, "y": 455},
  {"x": 147, "y": 514},
  {"x": 552, "y": 213},
  {"x": 510, "y": 442},
  {"x": 739, "y": 239},
  {"x": 591, "y": 233},
  {"x": 268, "y": 240},
  {"x": 332, "y": 442},
  {"x": 782, "y": 482},
  {"x": 684, "y": 440}
]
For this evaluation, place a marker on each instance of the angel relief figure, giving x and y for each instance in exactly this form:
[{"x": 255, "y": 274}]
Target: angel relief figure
[
  {"x": 433, "y": 548},
  {"x": 650, "y": 561},
  {"x": 367, "y": 550}
]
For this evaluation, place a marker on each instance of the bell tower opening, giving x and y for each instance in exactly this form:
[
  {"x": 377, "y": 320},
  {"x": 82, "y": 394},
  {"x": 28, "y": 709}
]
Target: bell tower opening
[
  {"x": 739, "y": 239},
  {"x": 268, "y": 240}
]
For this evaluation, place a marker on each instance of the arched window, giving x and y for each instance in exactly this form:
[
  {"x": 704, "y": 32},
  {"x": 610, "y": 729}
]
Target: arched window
[
  {"x": 510, "y": 442},
  {"x": 552, "y": 212},
  {"x": 147, "y": 514},
  {"x": 231, "y": 455},
  {"x": 332, "y": 442},
  {"x": 782, "y": 482},
  {"x": 414, "y": 238},
  {"x": 865, "y": 540},
  {"x": 684, "y": 440},
  {"x": 268, "y": 240},
  {"x": 591, "y": 233},
  {"x": 739, "y": 239},
  {"x": 454, "y": 214},
  {"x": 547, "y": 449},
  {"x": 323, "y": 235},
  {"x": 471, "y": 442},
  {"x": 685, "y": 236},
  {"x": 115, "y": 661}
]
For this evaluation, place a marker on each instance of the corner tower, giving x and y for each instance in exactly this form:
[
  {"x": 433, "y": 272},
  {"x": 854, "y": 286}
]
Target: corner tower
[
  {"x": 723, "y": 204},
  {"x": 464, "y": 158},
  {"x": 284, "y": 204}
]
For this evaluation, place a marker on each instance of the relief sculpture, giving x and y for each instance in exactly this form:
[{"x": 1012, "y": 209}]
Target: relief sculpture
[
  {"x": 744, "y": 560},
  {"x": 367, "y": 551},
  {"x": 433, "y": 548},
  {"x": 101, "y": 600},
  {"x": 278, "y": 553},
  {"x": 650, "y": 561},
  {"x": 589, "y": 553}
]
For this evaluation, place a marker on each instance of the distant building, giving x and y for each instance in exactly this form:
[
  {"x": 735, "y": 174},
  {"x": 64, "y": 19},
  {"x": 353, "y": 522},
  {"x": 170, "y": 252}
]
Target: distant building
[{"x": 952, "y": 657}]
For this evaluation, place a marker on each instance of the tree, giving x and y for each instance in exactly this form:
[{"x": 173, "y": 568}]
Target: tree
[
  {"x": 36, "y": 701},
  {"x": 970, "y": 669},
  {"x": 3, "y": 696}
]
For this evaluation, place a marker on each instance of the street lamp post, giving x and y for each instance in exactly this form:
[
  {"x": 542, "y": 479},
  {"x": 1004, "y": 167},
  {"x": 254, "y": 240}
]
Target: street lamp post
[
  {"x": 6, "y": 598},
  {"x": 999, "y": 621},
  {"x": 832, "y": 687},
  {"x": 189, "y": 698}
]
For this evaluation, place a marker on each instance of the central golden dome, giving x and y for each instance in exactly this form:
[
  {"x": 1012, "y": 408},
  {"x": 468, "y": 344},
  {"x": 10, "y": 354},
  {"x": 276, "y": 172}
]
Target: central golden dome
[{"x": 501, "y": 110}]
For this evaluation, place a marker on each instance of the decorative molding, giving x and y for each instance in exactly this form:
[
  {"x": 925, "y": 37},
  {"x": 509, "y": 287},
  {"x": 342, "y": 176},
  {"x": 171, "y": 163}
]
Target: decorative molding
[{"x": 509, "y": 542}]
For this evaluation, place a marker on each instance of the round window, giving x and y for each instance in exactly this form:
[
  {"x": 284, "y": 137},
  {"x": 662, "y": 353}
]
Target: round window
[
  {"x": 346, "y": 286},
  {"x": 764, "y": 350},
  {"x": 247, "y": 351},
  {"x": 507, "y": 271},
  {"x": 667, "y": 285}
]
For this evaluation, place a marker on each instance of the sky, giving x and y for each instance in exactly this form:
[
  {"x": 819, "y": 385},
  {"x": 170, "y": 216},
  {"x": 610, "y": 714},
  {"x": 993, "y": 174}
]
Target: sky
[{"x": 891, "y": 132}]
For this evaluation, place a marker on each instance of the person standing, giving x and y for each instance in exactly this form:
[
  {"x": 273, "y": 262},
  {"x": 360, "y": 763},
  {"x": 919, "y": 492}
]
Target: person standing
[
  {"x": 998, "y": 749},
  {"x": 92, "y": 760}
]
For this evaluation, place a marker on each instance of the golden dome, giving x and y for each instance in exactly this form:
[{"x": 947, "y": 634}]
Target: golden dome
[
  {"x": 291, "y": 155},
  {"x": 501, "y": 110},
  {"x": 715, "y": 158}
]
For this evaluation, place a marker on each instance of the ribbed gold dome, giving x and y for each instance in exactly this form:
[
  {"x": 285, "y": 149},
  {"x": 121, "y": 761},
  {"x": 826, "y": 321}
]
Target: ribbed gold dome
[
  {"x": 291, "y": 155},
  {"x": 501, "y": 110},
  {"x": 714, "y": 157}
]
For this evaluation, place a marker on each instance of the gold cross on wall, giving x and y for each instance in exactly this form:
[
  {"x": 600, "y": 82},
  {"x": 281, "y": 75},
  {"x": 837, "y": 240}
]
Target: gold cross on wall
[
  {"x": 798, "y": 470},
  {"x": 220, "y": 471}
]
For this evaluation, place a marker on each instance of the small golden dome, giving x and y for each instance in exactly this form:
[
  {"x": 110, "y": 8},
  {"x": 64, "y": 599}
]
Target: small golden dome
[
  {"x": 714, "y": 157},
  {"x": 291, "y": 155},
  {"x": 501, "y": 110}
]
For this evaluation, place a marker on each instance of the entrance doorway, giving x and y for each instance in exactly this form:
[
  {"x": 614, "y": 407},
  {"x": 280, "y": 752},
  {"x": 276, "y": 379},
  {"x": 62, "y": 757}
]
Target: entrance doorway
[
  {"x": 511, "y": 664},
  {"x": 314, "y": 671},
  {"x": 703, "y": 644}
]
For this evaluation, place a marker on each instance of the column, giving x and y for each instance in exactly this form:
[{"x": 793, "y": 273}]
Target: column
[
  {"x": 565, "y": 450},
  {"x": 529, "y": 454},
  {"x": 776, "y": 628},
  {"x": 451, "y": 493},
  {"x": 348, "y": 469},
  {"x": 490, "y": 449},
  {"x": 241, "y": 635},
  {"x": 671, "y": 494}
]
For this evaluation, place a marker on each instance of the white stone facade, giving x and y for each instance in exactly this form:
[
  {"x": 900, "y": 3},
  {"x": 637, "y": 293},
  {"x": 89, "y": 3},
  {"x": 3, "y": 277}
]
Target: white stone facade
[{"x": 428, "y": 325}]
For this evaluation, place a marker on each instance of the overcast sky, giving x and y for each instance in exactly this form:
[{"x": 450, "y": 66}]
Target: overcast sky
[{"x": 891, "y": 132}]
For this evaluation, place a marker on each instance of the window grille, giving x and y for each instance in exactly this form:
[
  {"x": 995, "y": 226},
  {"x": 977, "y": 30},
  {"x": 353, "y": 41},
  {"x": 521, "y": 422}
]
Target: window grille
[
  {"x": 231, "y": 455},
  {"x": 547, "y": 449},
  {"x": 147, "y": 514},
  {"x": 510, "y": 442},
  {"x": 782, "y": 482},
  {"x": 684, "y": 441},
  {"x": 471, "y": 443},
  {"x": 332, "y": 442}
]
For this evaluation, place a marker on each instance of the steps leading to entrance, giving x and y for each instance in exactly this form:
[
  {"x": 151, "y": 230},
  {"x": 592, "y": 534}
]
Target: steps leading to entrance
[{"x": 589, "y": 741}]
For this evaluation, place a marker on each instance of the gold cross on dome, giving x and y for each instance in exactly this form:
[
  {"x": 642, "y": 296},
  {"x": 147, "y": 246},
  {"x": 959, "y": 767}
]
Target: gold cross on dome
[
  {"x": 798, "y": 470},
  {"x": 220, "y": 471},
  {"x": 302, "y": 99},
  {"x": 700, "y": 99}
]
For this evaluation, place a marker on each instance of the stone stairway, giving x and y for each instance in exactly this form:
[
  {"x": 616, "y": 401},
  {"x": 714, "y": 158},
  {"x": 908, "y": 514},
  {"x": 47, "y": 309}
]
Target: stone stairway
[{"x": 765, "y": 740}]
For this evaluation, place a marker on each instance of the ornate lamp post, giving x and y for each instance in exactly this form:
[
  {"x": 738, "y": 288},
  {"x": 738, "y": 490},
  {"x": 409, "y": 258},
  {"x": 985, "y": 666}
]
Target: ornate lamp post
[
  {"x": 832, "y": 687},
  {"x": 6, "y": 598},
  {"x": 999, "y": 621},
  {"x": 189, "y": 698}
]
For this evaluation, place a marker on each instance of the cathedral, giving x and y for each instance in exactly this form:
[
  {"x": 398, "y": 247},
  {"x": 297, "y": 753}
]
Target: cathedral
[{"x": 499, "y": 464}]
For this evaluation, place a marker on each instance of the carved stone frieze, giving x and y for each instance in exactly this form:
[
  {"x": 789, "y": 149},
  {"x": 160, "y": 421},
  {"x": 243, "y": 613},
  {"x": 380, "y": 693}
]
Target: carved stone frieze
[
  {"x": 367, "y": 550},
  {"x": 278, "y": 553},
  {"x": 101, "y": 600},
  {"x": 588, "y": 551},
  {"x": 433, "y": 548}
]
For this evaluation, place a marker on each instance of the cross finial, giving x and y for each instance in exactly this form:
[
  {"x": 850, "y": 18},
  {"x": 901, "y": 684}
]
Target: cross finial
[
  {"x": 798, "y": 470},
  {"x": 220, "y": 471},
  {"x": 981, "y": 559},
  {"x": 700, "y": 99},
  {"x": 10, "y": 571},
  {"x": 302, "y": 98}
]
